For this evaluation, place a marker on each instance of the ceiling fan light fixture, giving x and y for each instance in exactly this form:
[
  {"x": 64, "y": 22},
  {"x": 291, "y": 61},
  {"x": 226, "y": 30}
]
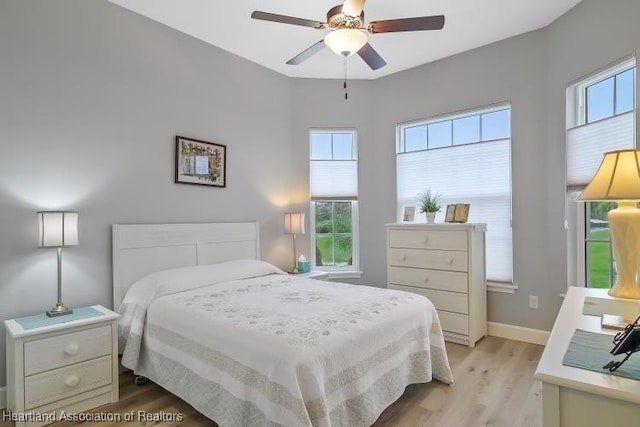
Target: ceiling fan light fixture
[{"x": 345, "y": 41}]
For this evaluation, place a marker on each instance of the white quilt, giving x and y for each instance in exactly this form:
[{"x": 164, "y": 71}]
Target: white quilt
[{"x": 247, "y": 345}]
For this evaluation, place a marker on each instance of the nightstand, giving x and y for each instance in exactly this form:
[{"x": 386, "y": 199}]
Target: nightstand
[
  {"x": 314, "y": 274},
  {"x": 60, "y": 363}
]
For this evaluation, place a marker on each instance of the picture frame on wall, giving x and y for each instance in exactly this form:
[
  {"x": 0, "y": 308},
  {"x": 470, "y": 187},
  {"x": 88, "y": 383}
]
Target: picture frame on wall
[
  {"x": 200, "y": 162},
  {"x": 409, "y": 214}
]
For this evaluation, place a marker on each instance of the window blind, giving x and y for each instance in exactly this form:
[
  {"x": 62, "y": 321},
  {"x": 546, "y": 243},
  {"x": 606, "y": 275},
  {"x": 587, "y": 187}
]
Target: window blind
[
  {"x": 586, "y": 145},
  {"x": 334, "y": 179},
  {"x": 479, "y": 174}
]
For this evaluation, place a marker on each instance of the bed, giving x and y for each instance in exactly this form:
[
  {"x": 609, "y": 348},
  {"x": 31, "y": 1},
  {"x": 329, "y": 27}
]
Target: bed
[{"x": 246, "y": 344}]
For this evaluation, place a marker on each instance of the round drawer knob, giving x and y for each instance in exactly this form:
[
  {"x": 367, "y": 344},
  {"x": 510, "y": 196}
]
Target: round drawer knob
[
  {"x": 449, "y": 260},
  {"x": 72, "y": 381},
  {"x": 403, "y": 258},
  {"x": 426, "y": 239},
  {"x": 72, "y": 349},
  {"x": 426, "y": 279}
]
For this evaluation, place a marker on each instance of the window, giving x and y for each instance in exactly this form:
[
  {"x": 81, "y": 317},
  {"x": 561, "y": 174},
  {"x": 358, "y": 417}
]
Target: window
[
  {"x": 467, "y": 159},
  {"x": 600, "y": 118},
  {"x": 611, "y": 96},
  {"x": 334, "y": 202}
]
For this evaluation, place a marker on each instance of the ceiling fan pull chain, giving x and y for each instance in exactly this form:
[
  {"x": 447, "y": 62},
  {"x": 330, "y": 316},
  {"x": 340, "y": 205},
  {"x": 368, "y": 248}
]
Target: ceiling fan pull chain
[{"x": 346, "y": 96}]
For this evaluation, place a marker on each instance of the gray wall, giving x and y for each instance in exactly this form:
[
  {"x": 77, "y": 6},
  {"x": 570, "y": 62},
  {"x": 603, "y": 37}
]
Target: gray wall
[
  {"x": 511, "y": 70},
  {"x": 91, "y": 98},
  {"x": 591, "y": 36},
  {"x": 532, "y": 72},
  {"x": 321, "y": 104}
]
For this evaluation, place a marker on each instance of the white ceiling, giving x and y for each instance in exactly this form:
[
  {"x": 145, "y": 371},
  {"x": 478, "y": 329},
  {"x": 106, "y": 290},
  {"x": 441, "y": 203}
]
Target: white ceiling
[{"x": 468, "y": 24}]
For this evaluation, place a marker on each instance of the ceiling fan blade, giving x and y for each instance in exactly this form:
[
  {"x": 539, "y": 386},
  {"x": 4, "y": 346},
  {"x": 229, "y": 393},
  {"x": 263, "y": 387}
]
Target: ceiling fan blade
[
  {"x": 306, "y": 54},
  {"x": 371, "y": 57},
  {"x": 422, "y": 23},
  {"x": 272, "y": 17},
  {"x": 353, "y": 7}
]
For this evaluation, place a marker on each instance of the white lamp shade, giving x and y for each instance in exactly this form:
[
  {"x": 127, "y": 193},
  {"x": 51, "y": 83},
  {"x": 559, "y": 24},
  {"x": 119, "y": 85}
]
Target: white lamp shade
[
  {"x": 345, "y": 41},
  {"x": 294, "y": 223},
  {"x": 57, "y": 229},
  {"x": 618, "y": 178}
]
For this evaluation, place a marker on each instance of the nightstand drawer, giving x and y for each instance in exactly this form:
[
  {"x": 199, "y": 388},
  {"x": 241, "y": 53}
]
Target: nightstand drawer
[
  {"x": 429, "y": 279},
  {"x": 438, "y": 260},
  {"x": 65, "y": 349},
  {"x": 428, "y": 239},
  {"x": 61, "y": 383}
]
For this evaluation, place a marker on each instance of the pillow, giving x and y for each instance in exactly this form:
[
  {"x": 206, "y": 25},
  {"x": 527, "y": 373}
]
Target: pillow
[{"x": 180, "y": 279}]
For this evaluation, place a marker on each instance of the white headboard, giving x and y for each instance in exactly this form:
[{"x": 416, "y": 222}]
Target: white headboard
[{"x": 142, "y": 249}]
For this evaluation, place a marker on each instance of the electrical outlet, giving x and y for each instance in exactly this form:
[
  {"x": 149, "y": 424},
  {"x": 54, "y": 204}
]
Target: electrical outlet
[{"x": 533, "y": 301}]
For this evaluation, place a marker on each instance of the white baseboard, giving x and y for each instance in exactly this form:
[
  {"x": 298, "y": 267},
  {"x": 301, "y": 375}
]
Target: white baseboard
[
  {"x": 517, "y": 333},
  {"x": 3, "y": 397}
]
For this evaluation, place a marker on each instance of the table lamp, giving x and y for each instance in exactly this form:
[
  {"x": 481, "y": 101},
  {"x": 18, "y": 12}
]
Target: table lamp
[
  {"x": 618, "y": 180},
  {"x": 294, "y": 224},
  {"x": 57, "y": 229}
]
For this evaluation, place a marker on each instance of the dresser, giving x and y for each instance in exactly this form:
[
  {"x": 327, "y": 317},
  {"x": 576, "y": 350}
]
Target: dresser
[
  {"x": 445, "y": 263},
  {"x": 573, "y": 397},
  {"x": 61, "y": 364}
]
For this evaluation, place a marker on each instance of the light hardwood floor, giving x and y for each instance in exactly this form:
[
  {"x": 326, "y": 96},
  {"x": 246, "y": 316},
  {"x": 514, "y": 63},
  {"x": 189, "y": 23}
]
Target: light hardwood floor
[{"x": 493, "y": 387}]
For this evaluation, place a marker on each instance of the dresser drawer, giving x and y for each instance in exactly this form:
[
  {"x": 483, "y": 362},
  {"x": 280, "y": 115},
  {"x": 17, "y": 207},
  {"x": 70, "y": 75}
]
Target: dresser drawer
[
  {"x": 62, "y": 350},
  {"x": 454, "y": 322},
  {"x": 428, "y": 239},
  {"x": 434, "y": 259},
  {"x": 442, "y": 300},
  {"x": 430, "y": 279},
  {"x": 61, "y": 383}
]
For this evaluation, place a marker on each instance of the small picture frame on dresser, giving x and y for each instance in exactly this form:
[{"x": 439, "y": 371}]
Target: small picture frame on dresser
[
  {"x": 450, "y": 215},
  {"x": 458, "y": 212},
  {"x": 461, "y": 213},
  {"x": 409, "y": 214}
]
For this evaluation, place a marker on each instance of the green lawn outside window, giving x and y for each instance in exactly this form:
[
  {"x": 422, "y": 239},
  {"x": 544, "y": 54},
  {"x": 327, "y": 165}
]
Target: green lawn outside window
[
  {"x": 599, "y": 257},
  {"x": 599, "y": 260},
  {"x": 334, "y": 235}
]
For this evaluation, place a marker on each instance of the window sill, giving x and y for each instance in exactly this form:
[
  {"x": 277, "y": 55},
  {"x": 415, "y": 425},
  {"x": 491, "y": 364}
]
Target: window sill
[
  {"x": 346, "y": 274},
  {"x": 503, "y": 288}
]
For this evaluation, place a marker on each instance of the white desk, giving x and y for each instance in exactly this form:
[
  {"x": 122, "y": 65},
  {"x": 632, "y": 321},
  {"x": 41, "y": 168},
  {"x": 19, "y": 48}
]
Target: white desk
[{"x": 573, "y": 397}]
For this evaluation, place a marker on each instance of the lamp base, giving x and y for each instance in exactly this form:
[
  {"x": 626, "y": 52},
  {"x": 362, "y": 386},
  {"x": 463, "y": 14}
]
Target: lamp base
[
  {"x": 59, "y": 310},
  {"x": 627, "y": 290},
  {"x": 624, "y": 228}
]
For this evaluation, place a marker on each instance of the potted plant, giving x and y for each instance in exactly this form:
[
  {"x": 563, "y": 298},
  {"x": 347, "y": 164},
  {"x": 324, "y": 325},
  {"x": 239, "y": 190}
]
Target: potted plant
[{"x": 429, "y": 205}]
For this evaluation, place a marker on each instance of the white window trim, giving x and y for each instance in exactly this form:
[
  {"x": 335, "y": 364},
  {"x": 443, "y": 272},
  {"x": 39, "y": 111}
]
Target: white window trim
[
  {"x": 491, "y": 286},
  {"x": 576, "y": 116},
  {"x": 461, "y": 114},
  {"x": 346, "y": 272},
  {"x": 352, "y": 131},
  {"x": 581, "y": 250},
  {"x": 577, "y": 90},
  {"x": 502, "y": 288}
]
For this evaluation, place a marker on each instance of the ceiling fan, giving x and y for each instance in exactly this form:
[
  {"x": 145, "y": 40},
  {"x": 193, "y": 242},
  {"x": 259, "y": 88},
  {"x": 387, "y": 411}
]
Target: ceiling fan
[{"x": 347, "y": 36}]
